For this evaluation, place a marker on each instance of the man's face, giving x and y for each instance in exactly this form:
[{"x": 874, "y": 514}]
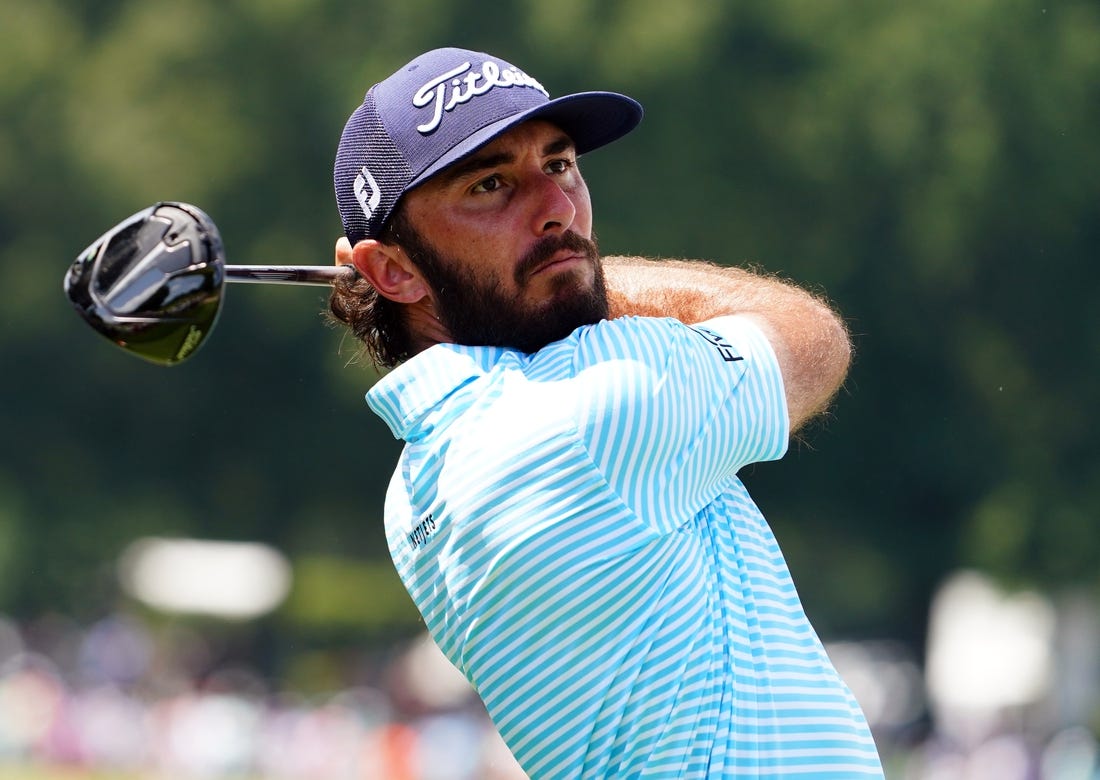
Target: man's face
[{"x": 504, "y": 241}]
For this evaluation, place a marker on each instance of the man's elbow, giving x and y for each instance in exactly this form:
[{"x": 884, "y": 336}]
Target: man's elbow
[
  {"x": 820, "y": 368},
  {"x": 839, "y": 358}
]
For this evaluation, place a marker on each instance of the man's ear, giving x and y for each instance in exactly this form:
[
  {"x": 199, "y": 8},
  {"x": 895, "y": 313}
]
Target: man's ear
[{"x": 386, "y": 267}]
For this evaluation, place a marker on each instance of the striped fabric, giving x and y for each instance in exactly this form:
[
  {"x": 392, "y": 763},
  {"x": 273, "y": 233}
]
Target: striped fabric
[{"x": 571, "y": 527}]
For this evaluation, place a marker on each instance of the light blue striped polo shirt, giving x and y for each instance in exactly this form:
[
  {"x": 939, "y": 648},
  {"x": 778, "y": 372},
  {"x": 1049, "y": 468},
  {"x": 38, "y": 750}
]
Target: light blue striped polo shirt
[{"x": 571, "y": 527}]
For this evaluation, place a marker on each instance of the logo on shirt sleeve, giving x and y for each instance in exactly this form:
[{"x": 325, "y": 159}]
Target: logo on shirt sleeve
[{"x": 718, "y": 342}]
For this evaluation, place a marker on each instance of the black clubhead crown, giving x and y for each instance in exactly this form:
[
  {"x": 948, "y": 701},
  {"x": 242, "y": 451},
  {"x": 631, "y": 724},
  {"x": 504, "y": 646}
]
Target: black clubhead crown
[{"x": 153, "y": 283}]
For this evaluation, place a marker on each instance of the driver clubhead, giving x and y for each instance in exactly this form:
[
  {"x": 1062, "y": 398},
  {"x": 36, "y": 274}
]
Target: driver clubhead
[{"x": 153, "y": 283}]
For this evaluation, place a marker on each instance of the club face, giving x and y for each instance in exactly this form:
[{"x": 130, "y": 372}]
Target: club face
[{"x": 153, "y": 283}]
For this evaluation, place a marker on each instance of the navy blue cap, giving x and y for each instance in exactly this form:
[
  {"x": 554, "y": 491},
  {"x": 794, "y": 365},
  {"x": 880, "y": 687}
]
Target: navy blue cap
[{"x": 441, "y": 107}]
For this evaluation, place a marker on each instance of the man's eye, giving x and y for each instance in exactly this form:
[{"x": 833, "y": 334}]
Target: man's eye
[
  {"x": 559, "y": 166},
  {"x": 489, "y": 184}
]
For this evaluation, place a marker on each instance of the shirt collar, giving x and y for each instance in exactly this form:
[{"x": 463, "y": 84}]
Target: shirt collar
[{"x": 407, "y": 394}]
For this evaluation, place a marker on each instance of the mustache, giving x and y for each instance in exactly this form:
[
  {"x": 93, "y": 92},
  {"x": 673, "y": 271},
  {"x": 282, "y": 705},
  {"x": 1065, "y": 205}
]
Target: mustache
[{"x": 549, "y": 246}]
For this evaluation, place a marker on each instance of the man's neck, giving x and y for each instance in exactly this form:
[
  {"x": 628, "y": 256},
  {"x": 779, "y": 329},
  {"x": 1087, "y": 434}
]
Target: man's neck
[{"x": 424, "y": 326}]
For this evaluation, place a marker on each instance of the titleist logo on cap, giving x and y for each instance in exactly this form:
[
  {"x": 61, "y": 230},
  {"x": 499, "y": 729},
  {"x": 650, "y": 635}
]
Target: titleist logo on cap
[{"x": 434, "y": 93}]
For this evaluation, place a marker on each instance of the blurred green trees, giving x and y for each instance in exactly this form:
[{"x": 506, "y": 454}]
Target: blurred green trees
[{"x": 933, "y": 167}]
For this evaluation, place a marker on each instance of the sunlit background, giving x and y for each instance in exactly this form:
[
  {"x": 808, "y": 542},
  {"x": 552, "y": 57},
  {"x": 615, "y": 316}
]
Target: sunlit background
[{"x": 193, "y": 577}]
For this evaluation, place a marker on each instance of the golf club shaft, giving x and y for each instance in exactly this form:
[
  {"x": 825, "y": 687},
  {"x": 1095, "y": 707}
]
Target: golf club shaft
[{"x": 287, "y": 274}]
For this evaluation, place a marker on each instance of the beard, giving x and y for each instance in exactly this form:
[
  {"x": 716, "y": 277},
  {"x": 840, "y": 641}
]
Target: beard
[{"x": 479, "y": 310}]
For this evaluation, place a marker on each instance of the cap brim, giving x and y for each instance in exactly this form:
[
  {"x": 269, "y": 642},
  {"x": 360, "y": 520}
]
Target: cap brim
[{"x": 591, "y": 119}]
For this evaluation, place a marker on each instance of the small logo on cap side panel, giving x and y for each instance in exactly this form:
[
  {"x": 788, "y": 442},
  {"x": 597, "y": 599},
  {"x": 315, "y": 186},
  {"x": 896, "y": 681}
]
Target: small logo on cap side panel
[
  {"x": 368, "y": 200},
  {"x": 434, "y": 92}
]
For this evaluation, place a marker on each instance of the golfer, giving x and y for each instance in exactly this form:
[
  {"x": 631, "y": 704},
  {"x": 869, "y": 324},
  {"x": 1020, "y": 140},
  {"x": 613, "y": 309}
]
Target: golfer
[{"x": 566, "y": 513}]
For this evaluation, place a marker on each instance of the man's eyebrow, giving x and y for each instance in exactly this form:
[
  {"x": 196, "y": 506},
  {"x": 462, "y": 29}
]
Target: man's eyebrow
[
  {"x": 562, "y": 143},
  {"x": 484, "y": 161},
  {"x": 473, "y": 164}
]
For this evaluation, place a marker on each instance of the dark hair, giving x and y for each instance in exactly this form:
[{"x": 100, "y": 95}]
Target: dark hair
[{"x": 374, "y": 319}]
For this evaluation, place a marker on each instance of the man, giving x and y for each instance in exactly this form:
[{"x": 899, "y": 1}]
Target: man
[{"x": 566, "y": 513}]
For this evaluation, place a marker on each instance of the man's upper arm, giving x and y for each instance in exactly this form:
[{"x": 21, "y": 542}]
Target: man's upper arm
[
  {"x": 809, "y": 338},
  {"x": 674, "y": 410},
  {"x": 813, "y": 353}
]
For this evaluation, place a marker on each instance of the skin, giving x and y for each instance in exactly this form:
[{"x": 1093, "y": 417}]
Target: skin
[{"x": 490, "y": 209}]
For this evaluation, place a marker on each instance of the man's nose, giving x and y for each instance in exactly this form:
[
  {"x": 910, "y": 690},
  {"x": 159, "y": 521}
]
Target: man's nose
[{"x": 554, "y": 208}]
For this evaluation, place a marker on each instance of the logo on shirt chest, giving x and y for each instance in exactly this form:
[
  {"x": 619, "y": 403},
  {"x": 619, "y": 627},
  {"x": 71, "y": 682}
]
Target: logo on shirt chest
[{"x": 423, "y": 531}]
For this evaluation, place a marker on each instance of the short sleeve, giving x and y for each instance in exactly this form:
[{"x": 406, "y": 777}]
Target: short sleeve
[{"x": 673, "y": 410}]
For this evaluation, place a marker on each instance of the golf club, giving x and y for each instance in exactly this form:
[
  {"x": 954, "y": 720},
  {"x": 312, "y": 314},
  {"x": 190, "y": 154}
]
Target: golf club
[{"x": 153, "y": 283}]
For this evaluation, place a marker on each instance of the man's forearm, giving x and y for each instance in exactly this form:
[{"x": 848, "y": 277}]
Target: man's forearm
[
  {"x": 688, "y": 290},
  {"x": 808, "y": 337}
]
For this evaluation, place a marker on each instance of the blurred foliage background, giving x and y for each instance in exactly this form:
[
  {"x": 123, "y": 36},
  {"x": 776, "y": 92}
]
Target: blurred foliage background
[{"x": 933, "y": 167}]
